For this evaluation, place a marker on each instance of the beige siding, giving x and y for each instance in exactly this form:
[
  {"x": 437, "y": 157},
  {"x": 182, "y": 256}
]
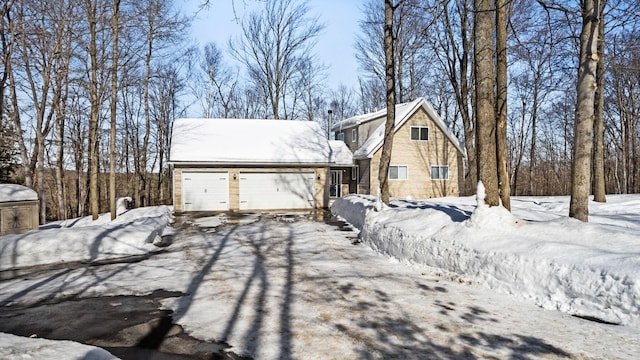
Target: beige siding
[
  {"x": 321, "y": 176},
  {"x": 363, "y": 132},
  {"x": 419, "y": 156}
]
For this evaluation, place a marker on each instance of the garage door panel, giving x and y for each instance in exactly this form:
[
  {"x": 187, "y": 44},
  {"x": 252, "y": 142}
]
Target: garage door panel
[
  {"x": 205, "y": 191},
  {"x": 263, "y": 191}
]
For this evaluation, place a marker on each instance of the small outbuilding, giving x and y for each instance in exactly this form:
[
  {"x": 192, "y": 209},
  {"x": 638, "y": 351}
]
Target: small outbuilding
[{"x": 18, "y": 209}]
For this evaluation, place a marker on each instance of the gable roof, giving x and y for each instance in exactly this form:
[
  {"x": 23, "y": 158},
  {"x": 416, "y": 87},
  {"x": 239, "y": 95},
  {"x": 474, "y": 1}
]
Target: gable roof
[
  {"x": 252, "y": 142},
  {"x": 403, "y": 112}
]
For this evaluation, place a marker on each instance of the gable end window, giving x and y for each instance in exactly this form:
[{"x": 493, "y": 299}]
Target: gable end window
[
  {"x": 354, "y": 135},
  {"x": 398, "y": 172},
  {"x": 440, "y": 172},
  {"x": 419, "y": 133}
]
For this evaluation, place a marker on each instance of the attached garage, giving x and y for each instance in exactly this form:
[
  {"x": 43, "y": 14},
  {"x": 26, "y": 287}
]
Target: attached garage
[
  {"x": 205, "y": 191},
  {"x": 252, "y": 165},
  {"x": 264, "y": 191}
]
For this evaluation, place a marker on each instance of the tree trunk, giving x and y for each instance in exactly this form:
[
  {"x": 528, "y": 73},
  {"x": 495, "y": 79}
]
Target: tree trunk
[
  {"x": 114, "y": 98},
  {"x": 390, "y": 74},
  {"x": 598, "y": 154},
  {"x": 501, "y": 104},
  {"x": 586, "y": 87},
  {"x": 93, "y": 122},
  {"x": 485, "y": 100}
]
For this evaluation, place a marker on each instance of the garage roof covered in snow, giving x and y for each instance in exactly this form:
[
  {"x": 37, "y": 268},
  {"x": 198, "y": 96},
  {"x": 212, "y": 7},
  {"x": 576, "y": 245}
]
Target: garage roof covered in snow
[{"x": 253, "y": 142}]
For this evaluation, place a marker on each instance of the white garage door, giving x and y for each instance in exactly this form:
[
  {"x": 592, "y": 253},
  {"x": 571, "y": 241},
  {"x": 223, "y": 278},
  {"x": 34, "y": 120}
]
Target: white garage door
[
  {"x": 264, "y": 191},
  {"x": 205, "y": 191}
]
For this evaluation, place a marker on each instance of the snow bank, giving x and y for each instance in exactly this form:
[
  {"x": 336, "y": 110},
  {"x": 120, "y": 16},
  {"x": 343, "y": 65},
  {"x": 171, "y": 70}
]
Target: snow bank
[
  {"x": 133, "y": 233},
  {"x": 18, "y": 347},
  {"x": 582, "y": 269}
]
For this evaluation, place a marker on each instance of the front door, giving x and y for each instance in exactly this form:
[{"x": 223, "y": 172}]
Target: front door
[{"x": 335, "y": 186}]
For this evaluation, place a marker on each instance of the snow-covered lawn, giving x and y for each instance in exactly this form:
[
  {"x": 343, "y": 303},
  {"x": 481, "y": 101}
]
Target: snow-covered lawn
[
  {"x": 538, "y": 253},
  {"x": 280, "y": 289}
]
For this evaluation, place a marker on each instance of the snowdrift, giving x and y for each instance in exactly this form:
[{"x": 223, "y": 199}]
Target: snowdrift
[
  {"x": 587, "y": 270},
  {"x": 132, "y": 233}
]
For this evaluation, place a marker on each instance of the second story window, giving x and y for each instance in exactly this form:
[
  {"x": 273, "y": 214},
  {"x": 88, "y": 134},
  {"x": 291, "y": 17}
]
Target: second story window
[
  {"x": 354, "y": 135},
  {"x": 419, "y": 133}
]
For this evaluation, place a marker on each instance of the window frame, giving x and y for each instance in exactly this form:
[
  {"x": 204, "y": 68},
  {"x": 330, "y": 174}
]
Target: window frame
[
  {"x": 398, "y": 172},
  {"x": 354, "y": 135},
  {"x": 420, "y": 128},
  {"x": 439, "y": 167},
  {"x": 355, "y": 173}
]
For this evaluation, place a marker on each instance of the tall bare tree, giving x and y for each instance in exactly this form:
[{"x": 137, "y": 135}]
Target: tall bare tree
[
  {"x": 390, "y": 78},
  {"x": 485, "y": 75},
  {"x": 585, "y": 106},
  {"x": 115, "y": 30},
  {"x": 501, "y": 103},
  {"x": 273, "y": 42},
  {"x": 599, "y": 188},
  {"x": 91, "y": 8},
  {"x": 452, "y": 45}
]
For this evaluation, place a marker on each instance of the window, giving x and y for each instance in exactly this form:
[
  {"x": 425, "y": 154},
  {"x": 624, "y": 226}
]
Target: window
[
  {"x": 440, "y": 172},
  {"x": 340, "y": 136},
  {"x": 398, "y": 173},
  {"x": 419, "y": 133},
  {"x": 354, "y": 172},
  {"x": 354, "y": 135}
]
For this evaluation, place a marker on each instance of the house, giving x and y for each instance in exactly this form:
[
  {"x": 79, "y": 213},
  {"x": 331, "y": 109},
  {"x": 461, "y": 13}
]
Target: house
[
  {"x": 249, "y": 164},
  {"x": 19, "y": 207},
  {"x": 426, "y": 159}
]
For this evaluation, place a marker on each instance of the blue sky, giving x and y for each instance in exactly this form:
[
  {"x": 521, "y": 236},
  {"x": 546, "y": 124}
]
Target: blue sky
[{"x": 335, "y": 44}]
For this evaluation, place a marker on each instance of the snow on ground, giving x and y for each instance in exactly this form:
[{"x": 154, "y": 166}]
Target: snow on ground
[
  {"x": 538, "y": 253},
  {"x": 132, "y": 233},
  {"x": 18, "y": 347},
  {"x": 301, "y": 289}
]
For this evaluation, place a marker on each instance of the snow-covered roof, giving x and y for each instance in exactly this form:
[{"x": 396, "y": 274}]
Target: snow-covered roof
[
  {"x": 250, "y": 141},
  {"x": 13, "y": 192},
  {"x": 403, "y": 113},
  {"x": 341, "y": 155}
]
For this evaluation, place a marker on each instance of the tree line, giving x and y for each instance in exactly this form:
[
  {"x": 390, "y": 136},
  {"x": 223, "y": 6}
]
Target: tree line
[{"x": 89, "y": 89}]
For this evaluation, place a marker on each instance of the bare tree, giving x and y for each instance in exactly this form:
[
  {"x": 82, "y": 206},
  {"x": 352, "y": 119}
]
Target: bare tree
[
  {"x": 115, "y": 15},
  {"x": 273, "y": 43},
  {"x": 390, "y": 71},
  {"x": 501, "y": 103},
  {"x": 452, "y": 44},
  {"x": 599, "y": 188},
  {"x": 91, "y": 8},
  {"x": 586, "y": 86},
  {"x": 485, "y": 99}
]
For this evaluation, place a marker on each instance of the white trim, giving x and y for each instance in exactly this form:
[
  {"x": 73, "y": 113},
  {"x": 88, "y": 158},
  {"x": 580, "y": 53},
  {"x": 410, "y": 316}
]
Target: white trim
[
  {"x": 398, "y": 166},
  {"x": 419, "y": 133},
  {"x": 439, "y": 167}
]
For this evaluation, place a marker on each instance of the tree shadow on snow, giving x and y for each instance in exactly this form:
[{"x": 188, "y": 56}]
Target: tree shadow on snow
[{"x": 456, "y": 214}]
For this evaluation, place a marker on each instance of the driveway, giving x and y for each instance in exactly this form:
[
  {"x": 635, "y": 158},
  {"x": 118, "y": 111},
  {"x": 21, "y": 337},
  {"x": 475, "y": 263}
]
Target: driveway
[{"x": 291, "y": 286}]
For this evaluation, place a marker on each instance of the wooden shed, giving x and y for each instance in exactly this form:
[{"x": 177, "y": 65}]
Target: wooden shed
[{"x": 18, "y": 209}]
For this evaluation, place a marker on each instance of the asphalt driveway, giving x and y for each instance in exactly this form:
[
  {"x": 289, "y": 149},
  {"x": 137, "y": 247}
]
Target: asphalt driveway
[{"x": 283, "y": 286}]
